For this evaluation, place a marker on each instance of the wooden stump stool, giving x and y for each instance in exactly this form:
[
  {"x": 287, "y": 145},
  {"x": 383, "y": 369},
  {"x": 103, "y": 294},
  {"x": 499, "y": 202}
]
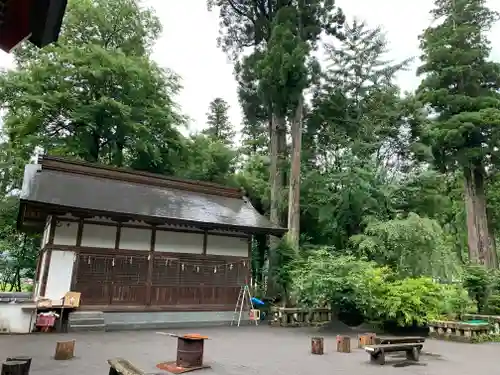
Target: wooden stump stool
[
  {"x": 65, "y": 350},
  {"x": 343, "y": 344},
  {"x": 14, "y": 368},
  {"x": 366, "y": 339},
  {"x": 22, "y": 358},
  {"x": 317, "y": 345}
]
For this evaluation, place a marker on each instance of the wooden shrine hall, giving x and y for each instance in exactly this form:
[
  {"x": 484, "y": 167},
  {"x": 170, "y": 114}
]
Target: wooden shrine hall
[{"x": 131, "y": 241}]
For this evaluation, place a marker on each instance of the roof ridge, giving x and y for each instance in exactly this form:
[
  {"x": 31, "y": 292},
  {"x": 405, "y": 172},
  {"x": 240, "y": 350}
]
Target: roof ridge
[{"x": 126, "y": 174}]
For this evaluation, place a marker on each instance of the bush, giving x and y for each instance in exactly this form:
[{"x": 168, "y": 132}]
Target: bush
[
  {"x": 479, "y": 283},
  {"x": 344, "y": 281},
  {"x": 493, "y": 304}
]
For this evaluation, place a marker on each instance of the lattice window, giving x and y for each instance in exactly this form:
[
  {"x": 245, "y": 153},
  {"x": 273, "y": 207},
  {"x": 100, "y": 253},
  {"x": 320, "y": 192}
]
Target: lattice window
[
  {"x": 95, "y": 268},
  {"x": 165, "y": 270},
  {"x": 131, "y": 269}
]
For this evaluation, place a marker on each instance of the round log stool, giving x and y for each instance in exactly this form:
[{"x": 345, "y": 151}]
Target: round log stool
[
  {"x": 317, "y": 345},
  {"x": 22, "y": 358},
  {"x": 14, "y": 368},
  {"x": 343, "y": 344},
  {"x": 366, "y": 339}
]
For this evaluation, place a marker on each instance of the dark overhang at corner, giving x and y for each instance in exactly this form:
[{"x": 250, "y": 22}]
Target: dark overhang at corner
[{"x": 37, "y": 20}]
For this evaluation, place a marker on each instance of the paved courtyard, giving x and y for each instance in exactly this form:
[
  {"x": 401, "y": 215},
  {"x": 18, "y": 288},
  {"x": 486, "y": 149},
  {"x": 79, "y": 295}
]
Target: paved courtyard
[{"x": 245, "y": 351}]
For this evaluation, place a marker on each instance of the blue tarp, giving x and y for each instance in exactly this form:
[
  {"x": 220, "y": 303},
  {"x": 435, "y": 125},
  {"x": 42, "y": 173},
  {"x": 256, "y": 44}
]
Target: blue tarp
[{"x": 257, "y": 301}]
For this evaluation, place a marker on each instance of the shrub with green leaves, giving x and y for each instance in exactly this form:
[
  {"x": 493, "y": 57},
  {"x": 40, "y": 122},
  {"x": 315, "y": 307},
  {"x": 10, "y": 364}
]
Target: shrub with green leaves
[{"x": 339, "y": 281}]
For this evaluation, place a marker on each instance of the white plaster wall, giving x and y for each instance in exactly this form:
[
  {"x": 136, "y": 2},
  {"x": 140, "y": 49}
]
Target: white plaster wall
[
  {"x": 98, "y": 236},
  {"x": 66, "y": 233},
  {"x": 229, "y": 246},
  {"x": 41, "y": 274},
  {"x": 179, "y": 242},
  {"x": 15, "y": 319},
  {"x": 60, "y": 272},
  {"x": 135, "y": 239}
]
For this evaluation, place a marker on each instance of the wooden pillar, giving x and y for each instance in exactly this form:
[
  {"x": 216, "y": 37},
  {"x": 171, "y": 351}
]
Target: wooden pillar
[
  {"x": 205, "y": 242},
  {"x": 343, "y": 344},
  {"x": 151, "y": 259},
  {"x": 317, "y": 345},
  {"x": 50, "y": 243},
  {"x": 64, "y": 350}
]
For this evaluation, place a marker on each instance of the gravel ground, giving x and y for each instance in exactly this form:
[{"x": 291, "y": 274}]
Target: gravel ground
[{"x": 245, "y": 351}]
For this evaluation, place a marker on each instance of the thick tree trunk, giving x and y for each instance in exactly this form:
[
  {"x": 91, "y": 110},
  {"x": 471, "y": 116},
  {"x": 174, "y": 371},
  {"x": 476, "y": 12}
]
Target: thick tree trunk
[
  {"x": 277, "y": 146},
  {"x": 274, "y": 176},
  {"x": 480, "y": 242},
  {"x": 485, "y": 236},
  {"x": 294, "y": 187}
]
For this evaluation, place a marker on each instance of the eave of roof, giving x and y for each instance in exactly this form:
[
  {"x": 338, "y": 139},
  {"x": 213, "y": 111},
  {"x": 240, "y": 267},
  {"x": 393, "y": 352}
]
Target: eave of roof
[{"x": 73, "y": 186}]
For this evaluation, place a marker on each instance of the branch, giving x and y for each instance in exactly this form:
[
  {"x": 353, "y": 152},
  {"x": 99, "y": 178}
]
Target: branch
[{"x": 240, "y": 12}]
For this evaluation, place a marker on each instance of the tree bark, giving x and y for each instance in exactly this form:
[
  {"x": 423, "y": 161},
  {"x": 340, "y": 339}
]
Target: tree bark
[
  {"x": 277, "y": 146},
  {"x": 294, "y": 186},
  {"x": 479, "y": 239},
  {"x": 274, "y": 176}
]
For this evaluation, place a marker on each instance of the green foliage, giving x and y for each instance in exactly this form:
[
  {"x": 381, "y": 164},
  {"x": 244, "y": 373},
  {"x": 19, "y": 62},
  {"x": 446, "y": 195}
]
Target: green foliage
[
  {"x": 107, "y": 103},
  {"x": 478, "y": 282},
  {"x": 209, "y": 160},
  {"x": 218, "y": 124},
  {"x": 412, "y": 246},
  {"x": 18, "y": 251},
  {"x": 284, "y": 257},
  {"x": 493, "y": 304},
  {"x": 340, "y": 281}
]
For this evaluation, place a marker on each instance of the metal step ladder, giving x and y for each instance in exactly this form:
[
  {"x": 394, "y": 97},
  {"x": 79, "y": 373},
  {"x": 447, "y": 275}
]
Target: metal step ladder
[{"x": 244, "y": 297}]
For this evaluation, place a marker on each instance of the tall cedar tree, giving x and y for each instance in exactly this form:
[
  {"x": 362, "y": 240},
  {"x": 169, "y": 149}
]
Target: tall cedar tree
[
  {"x": 461, "y": 86},
  {"x": 218, "y": 125}
]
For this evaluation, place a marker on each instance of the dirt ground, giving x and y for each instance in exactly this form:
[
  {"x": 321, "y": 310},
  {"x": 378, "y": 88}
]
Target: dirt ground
[{"x": 245, "y": 351}]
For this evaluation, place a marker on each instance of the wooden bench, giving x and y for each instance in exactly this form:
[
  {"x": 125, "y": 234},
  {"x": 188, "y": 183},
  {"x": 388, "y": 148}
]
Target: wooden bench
[
  {"x": 120, "y": 366},
  {"x": 399, "y": 340},
  {"x": 377, "y": 352}
]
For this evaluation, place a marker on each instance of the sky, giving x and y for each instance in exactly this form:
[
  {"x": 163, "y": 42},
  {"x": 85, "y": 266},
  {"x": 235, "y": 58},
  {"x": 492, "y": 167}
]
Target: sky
[{"x": 188, "y": 46}]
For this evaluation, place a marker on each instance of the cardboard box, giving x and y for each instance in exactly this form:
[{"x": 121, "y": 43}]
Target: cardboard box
[{"x": 72, "y": 299}]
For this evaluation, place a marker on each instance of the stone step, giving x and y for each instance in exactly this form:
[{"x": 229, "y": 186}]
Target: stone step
[
  {"x": 87, "y": 321},
  {"x": 79, "y": 315},
  {"x": 87, "y": 328}
]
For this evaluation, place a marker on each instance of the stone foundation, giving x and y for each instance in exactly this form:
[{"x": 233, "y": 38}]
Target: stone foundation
[
  {"x": 494, "y": 321},
  {"x": 457, "y": 331},
  {"x": 299, "y": 317}
]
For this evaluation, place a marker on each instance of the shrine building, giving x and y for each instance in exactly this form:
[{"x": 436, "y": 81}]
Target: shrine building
[{"x": 141, "y": 248}]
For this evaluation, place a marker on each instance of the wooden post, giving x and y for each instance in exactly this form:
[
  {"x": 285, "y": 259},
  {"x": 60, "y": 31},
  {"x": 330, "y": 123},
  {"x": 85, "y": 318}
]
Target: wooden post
[
  {"x": 14, "y": 367},
  {"x": 343, "y": 344},
  {"x": 366, "y": 339},
  {"x": 22, "y": 358},
  {"x": 317, "y": 345},
  {"x": 64, "y": 350}
]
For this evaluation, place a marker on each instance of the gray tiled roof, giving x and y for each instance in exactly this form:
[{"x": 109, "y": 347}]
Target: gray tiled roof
[{"x": 80, "y": 191}]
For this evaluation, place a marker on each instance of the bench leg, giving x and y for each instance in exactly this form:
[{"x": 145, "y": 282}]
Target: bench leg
[
  {"x": 378, "y": 358},
  {"x": 413, "y": 355}
]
